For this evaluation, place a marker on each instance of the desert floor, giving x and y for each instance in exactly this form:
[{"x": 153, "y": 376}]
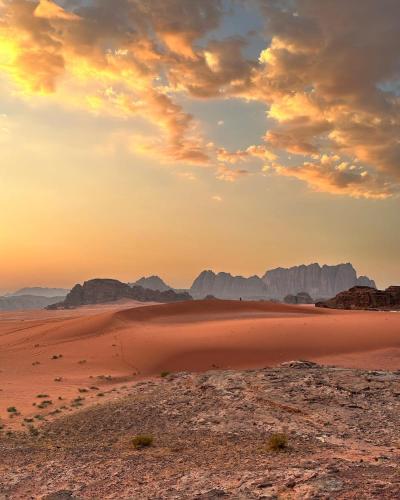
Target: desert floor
[{"x": 54, "y": 362}]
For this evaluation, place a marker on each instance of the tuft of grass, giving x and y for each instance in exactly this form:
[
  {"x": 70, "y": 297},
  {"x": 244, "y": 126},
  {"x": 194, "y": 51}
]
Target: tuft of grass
[
  {"x": 278, "y": 442},
  {"x": 45, "y": 404},
  {"x": 164, "y": 374},
  {"x": 12, "y": 409},
  {"x": 142, "y": 441}
]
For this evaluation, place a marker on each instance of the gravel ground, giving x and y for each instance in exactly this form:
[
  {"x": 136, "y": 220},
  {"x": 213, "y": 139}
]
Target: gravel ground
[{"x": 210, "y": 440}]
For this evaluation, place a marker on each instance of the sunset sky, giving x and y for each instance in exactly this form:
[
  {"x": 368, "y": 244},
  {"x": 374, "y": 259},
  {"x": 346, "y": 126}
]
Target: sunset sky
[{"x": 170, "y": 136}]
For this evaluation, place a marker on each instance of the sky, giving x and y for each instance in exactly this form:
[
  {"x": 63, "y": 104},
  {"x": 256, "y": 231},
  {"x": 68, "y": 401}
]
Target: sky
[{"x": 166, "y": 137}]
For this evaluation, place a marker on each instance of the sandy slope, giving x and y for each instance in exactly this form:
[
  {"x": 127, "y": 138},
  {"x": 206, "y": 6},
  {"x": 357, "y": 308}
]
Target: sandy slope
[{"x": 128, "y": 343}]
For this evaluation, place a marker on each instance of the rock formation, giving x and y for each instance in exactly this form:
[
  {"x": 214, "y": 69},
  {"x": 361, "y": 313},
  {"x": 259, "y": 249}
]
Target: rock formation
[
  {"x": 300, "y": 298},
  {"x": 315, "y": 280},
  {"x": 226, "y": 286},
  {"x": 318, "y": 281},
  {"x": 364, "y": 297},
  {"x": 100, "y": 291},
  {"x": 152, "y": 283}
]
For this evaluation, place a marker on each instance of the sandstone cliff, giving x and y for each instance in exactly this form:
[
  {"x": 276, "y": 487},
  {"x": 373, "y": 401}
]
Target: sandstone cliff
[
  {"x": 363, "y": 297},
  {"x": 318, "y": 281},
  {"x": 152, "y": 283},
  {"x": 100, "y": 291},
  {"x": 315, "y": 280},
  {"x": 226, "y": 286}
]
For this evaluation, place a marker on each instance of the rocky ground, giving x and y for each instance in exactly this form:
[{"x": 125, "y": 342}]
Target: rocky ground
[{"x": 210, "y": 440}]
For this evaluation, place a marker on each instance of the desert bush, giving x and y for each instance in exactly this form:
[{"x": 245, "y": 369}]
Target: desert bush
[
  {"x": 278, "y": 442},
  {"x": 142, "y": 441},
  {"x": 165, "y": 374},
  {"x": 12, "y": 409}
]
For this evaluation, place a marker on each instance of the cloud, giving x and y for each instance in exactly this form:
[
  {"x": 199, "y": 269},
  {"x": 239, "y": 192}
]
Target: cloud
[
  {"x": 225, "y": 173},
  {"x": 47, "y": 9},
  {"x": 329, "y": 174},
  {"x": 328, "y": 76}
]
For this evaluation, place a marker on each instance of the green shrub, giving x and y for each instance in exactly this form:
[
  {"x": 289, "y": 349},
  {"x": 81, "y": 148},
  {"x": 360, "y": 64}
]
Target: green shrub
[
  {"x": 142, "y": 441},
  {"x": 278, "y": 442}
]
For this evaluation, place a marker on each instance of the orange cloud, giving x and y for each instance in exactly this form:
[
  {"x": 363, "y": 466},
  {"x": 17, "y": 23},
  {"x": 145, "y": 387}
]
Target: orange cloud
[{"x": 328, "y": 75}]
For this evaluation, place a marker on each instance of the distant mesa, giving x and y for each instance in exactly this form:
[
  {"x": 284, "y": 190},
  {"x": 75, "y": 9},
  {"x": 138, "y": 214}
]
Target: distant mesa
[
  {"x": 26, "y": 302},
  {"x": 152, "y": 283},
  {"x": 226, "y": 286},
  {"x": 364, "y": 297},
  {"x": 276, "y": 284},
  {"x": 40, "y": 292},
  {"x": 101, "y": 291}
]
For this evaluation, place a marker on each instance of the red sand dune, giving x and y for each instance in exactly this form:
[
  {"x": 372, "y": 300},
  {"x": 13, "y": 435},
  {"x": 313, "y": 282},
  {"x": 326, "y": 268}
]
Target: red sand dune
[{"x": 131, "y": 342}]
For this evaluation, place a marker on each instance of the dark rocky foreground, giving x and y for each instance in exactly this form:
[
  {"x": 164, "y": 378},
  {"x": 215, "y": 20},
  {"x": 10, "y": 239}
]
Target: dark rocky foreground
[
  {"x": 210, "y": 440},
  {"x": 364, "y": 297},
  {"x": 101, "y": 291}
]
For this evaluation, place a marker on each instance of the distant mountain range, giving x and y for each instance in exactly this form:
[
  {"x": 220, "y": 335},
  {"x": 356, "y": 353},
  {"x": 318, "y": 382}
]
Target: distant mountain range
[
  {"x": 318, "y": 281},
  {"x": 283, "y": 284},
  {"x": 40, "y": 292},
  {"x": 26, "y": 302}
]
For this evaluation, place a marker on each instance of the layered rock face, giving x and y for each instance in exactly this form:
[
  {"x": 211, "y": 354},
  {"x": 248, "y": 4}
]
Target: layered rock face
[
  {"x": 153, "y": 283},
  {"x": 364, "y": 297},
  {"x": 100, "y": 291},
  {"x": 226, "y": 286},
  {"x": 317, "y": 281}
]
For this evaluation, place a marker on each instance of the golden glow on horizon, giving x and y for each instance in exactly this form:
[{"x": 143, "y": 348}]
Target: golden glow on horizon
[{"x": 124, "y": 132}]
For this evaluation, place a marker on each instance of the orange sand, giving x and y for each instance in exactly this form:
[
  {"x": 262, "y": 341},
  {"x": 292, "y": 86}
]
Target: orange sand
[{"x": 130, "y": 342}]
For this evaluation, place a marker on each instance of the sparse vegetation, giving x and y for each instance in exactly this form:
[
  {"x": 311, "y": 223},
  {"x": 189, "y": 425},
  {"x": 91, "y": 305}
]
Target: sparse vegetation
[
  {"x": 59, "y": 356},
  {"x": 58, "y": 379},
  {"x": 142, "y": 441},
  {"x": 45, "y": 404},
  {"x": 42, "y": 396},
  {"x": 278, "y": 442},
  {"x": 82, "y": 390},
  {"x": 165, "y": 374},
  {"x": 12, "y": 409}
]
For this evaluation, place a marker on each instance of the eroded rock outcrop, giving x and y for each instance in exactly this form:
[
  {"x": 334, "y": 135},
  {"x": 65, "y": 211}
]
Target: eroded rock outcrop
[
  {"x": 317, "y": 281},
  {"x": 300, "y": 298},
  {"x": 100, "y": 291},
  {"x": 364, "y": 297},
  {"x": 152, "y": 283},
  {"x": 226, "y": 286}
]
